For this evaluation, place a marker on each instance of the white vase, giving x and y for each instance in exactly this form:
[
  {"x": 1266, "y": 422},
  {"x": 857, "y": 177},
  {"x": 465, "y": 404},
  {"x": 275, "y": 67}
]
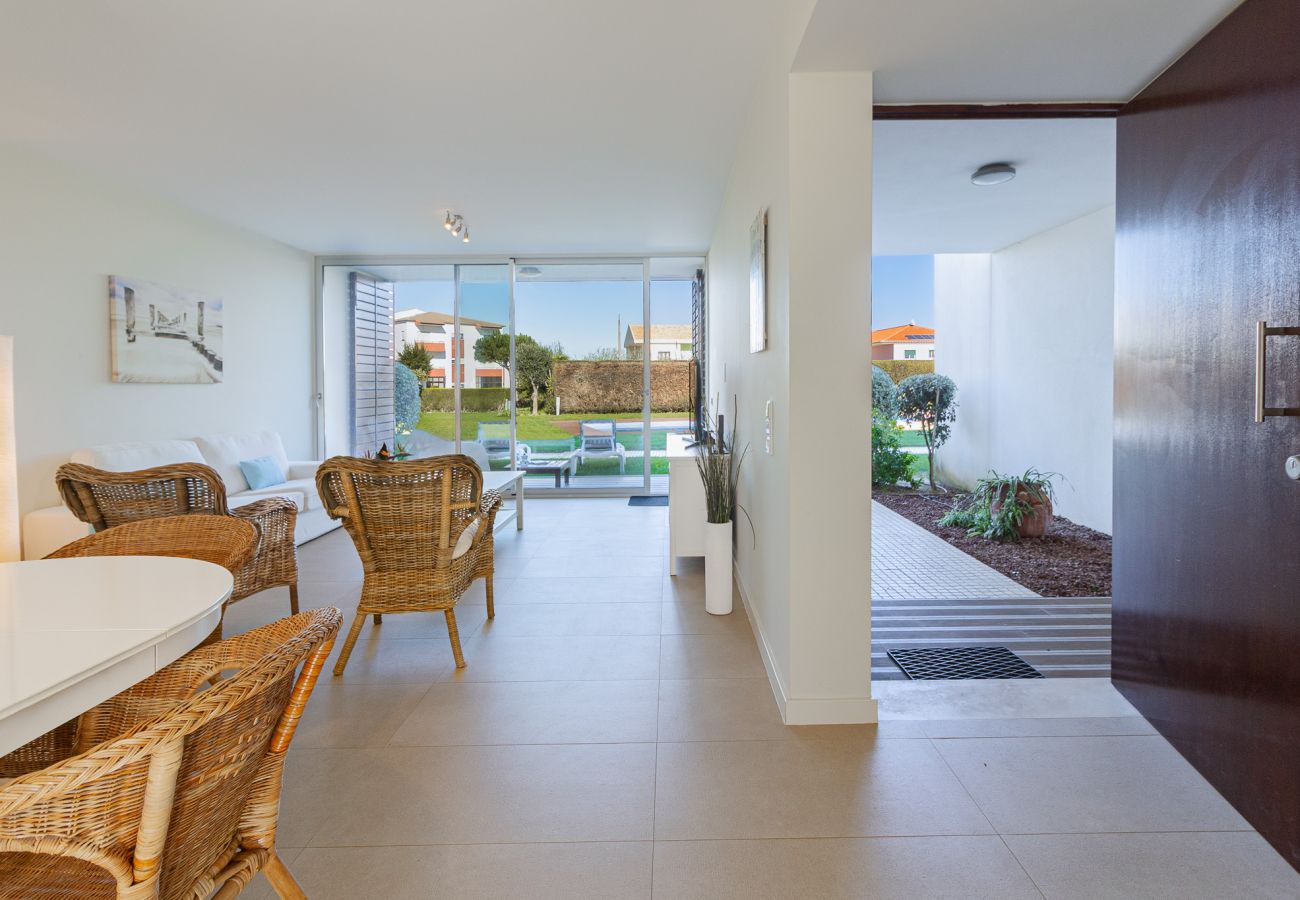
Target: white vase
[{"x": 717, "y": 568}]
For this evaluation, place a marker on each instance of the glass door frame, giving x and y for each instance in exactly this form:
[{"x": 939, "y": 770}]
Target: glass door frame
[{"x": 511, "y": 262}]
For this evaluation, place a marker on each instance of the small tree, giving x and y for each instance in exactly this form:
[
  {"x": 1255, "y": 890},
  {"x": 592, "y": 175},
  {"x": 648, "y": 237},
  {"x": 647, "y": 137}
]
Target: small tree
[
  {"x": 494, "y": 349},
  {"x": 884, "y": 393},
  {"x": 533, "y": 364},
  {"x": 417, "y": 359},
  {"x": 931, "y": 401},
  {"x": 406, "y": 399}
]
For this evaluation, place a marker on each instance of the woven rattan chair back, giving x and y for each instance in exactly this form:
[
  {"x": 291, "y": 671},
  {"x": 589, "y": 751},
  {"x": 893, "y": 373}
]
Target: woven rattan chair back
[
  {"x": 403, "y": 515},
  {"x": 188, "y": 796},
  {"x": 107, "y": 499}
]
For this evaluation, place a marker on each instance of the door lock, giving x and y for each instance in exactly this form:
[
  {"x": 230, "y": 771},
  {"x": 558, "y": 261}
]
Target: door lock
[{"x": 1293, "y": 467}]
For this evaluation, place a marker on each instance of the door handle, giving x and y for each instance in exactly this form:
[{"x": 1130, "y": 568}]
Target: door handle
[{"x": 1262, "y": 333}]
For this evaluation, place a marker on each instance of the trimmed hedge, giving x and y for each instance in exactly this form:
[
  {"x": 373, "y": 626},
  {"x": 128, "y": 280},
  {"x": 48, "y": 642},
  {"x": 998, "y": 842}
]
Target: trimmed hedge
[
  {"x": 471, "y": 399},
  {"x": 615, "y": 385},
  {"x": 898, "y": 369}
]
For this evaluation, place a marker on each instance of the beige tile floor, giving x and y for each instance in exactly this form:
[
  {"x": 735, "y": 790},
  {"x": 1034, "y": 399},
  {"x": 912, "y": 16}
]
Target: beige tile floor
[{"x": 608, "y": 739}]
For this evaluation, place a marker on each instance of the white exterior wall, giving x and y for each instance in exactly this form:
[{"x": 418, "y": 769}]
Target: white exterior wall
[
  {"x": 1028, "y": 335},
  {"x": 806, "y": 157},
  {"x": 924, "y": 349},
  {"x": 410, "y": 333},
  {"x": 63, "y": 233}
]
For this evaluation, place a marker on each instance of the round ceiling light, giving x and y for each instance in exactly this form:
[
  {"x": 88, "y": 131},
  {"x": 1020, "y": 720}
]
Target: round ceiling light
[
  {"x": 993, "y": 173},
  {"x": 528, "y": 271}
]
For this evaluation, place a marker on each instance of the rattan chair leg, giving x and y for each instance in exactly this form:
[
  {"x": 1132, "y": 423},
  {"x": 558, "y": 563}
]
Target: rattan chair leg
[
  {"x": 293, "y": 598},
  {"x": 353, "y": 633},
  {"x": 454, "y": 633},
  {"x": 487, "y": 582},
  {"x": 379, "y": 618},
  {"x": 286, "y": 887}
]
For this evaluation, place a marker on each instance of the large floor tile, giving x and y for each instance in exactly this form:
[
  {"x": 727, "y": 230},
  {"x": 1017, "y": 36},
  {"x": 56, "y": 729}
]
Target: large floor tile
[
  {"x": 1005, "y": 699},
  {"x": 342, "y": 713},
  {"x": 272, "y": 605},
  {"x": 589, "y": 565},
  {"x": 414, "y": 661},
  {"x": 566, "y": 619},
  {"x": 621, "y": 589},
  {"x": 813, "y": 787},
  {"x": 731, "y": 655},
  {"x": 1040, "y": 727},
  {"x": 960, "y": 868},
  {"x": 689, "y": 617},
  {"x": 492, "y": 657},
  {"x": 259, "y": 888},
  {"x": 1087, "y": 784},
  {"x": 331, "y": 557},
  {"x": 471, "y": 795},
  {"x": 309, "y": 794},
  {"x": 602, "y": 871},
  {"x": 532, "y": 712},
  {"x": 719, "y": 709},
  {"x": 1186, "y": 866}
]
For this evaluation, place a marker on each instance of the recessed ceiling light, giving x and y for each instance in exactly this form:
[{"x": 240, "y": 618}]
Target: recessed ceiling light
[
  {"x": 993, "y": 173},
  {"x": 528, "y": 272}
]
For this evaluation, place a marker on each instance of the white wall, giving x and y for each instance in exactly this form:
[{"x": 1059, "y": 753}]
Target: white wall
[
  {"x": 1028, "y": 335},
  {"x": 805, "y": 156},
  {"x": 62, "y": 234}
]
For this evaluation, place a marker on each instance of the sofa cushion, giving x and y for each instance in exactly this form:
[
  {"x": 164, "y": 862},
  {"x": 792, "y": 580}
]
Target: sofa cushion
[
  {"x": 131, "y": 456},
  {"x": 261, "y": 472},
  {"x": 224, "y": 452}
]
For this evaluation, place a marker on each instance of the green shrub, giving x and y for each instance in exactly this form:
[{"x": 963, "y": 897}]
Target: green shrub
[
  {"x": 471, "y": 399},
  {"x": 406, "y": 399},
  {"x": 890, "y": 464},
  {"x": 898, "y": 369},
  {"x": 884, "y": 394},
  {"x": 1015, "y": 496}
]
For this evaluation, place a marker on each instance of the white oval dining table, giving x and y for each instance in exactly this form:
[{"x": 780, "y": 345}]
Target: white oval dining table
[{"x": 74, "y": 632}]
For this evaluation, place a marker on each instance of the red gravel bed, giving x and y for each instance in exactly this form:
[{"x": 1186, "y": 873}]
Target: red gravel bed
[{"x": 1070, "y": 561}]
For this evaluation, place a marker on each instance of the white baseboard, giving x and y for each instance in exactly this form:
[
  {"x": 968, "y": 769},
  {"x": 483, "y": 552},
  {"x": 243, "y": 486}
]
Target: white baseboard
[{"x": 804, "y": 710}]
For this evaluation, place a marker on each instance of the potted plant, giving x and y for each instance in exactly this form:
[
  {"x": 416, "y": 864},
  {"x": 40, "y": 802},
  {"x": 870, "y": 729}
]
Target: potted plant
[
  {"x": 719, "y": 469},
  {"x": 1007, "y": 507}
]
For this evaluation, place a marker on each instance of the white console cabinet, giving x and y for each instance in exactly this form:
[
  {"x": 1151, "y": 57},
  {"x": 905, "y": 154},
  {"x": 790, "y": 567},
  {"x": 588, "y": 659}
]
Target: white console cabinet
[{"x": 685, "y": 502}]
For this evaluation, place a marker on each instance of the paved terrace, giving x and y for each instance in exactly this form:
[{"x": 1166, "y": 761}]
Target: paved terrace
[{"x": 927, "y": 593}]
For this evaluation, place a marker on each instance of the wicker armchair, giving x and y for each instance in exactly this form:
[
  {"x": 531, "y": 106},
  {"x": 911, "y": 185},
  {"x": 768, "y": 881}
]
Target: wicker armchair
[
  {"x": 421, "y": 528},
  {"x": 226, "y": 541},
  {"x": 107, "y": 499},
  {"x": 182, "y": 798}
]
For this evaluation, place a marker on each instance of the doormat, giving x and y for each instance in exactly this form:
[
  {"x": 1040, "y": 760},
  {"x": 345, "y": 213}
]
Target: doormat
[
  {"x": 648, "y": 501},
  {"x": 945, "y": 663}
]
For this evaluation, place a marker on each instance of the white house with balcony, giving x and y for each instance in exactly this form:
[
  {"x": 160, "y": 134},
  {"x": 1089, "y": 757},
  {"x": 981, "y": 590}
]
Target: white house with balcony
[
  {"x": 434, "y": 331},
  {"x": 667, "y": 342}
]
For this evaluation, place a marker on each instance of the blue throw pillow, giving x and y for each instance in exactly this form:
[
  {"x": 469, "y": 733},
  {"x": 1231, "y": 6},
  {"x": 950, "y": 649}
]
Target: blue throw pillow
[{"x": 261, "y": 472}]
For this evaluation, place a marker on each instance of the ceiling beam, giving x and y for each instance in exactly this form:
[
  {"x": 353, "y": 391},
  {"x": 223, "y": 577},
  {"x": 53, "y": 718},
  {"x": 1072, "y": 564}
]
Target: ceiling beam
[{"x": 899, "y": 112}]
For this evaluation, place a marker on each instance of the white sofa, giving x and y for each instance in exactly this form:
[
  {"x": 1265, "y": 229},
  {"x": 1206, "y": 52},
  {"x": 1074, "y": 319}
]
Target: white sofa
[{"x": 48, "y": 529}]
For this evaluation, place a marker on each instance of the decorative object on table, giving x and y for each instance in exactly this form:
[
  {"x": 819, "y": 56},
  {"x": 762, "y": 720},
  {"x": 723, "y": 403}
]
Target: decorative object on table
[
  {"x": 758, "y": 283},
  {"x": 106, "y": 499},
  {"x": 1007, "y": 507},
  {"x": 384, "y": 452},
  {"x": 10, "y": 545},
  {"x": 172, "y": 787},
  {"x": 719, "y": 466},
  {"x": 423, "y": 530},
  {"x": 163, "y": 335}
]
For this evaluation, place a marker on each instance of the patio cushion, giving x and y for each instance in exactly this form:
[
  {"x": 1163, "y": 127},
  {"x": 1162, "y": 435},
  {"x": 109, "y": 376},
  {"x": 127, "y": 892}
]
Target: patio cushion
[
  {"x": 225, "y": 451},
  {"x": 465, "y": 540},
  {"x": 131, "y": 456}
]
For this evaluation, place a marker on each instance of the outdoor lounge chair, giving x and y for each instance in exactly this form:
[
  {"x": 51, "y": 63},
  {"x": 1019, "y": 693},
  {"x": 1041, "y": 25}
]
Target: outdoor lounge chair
[
  {"x": 598, "y": 439},
  {"x": 495, "y": 439}
]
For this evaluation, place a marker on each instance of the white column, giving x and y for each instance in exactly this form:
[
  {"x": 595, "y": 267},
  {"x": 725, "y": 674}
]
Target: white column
[
  {"x": 10, "y": 545},
  {"x": 829, "y": 403}
]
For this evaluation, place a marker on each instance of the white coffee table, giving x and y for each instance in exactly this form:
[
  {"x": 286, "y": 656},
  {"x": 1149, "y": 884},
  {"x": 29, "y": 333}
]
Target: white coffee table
[
  {"x": 512, "y": 483},
  {"x": 74, "y": 632}
]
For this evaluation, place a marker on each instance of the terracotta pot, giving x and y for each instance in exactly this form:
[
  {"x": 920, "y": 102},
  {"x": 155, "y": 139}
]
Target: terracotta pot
[{"x": 1035, "y": 524}]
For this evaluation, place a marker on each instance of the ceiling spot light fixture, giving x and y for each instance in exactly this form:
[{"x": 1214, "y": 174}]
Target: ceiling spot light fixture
[
  {"x": 993, "y": 173},
  {"x": 455, "y": 223},
  {"x": 464, "y": 238}
]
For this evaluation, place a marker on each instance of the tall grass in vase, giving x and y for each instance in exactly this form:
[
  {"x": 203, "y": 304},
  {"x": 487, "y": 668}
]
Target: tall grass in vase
[{"x": 719, "y": 466}]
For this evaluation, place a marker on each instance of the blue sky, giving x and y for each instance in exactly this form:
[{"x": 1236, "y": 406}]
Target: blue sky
[
  {"x": 902, "y": 291},
  {"x": 582, "y": 316}
]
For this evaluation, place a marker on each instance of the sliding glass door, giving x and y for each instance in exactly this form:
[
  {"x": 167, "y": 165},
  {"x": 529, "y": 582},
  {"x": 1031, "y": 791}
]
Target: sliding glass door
[{"x": 572, "y": 371}]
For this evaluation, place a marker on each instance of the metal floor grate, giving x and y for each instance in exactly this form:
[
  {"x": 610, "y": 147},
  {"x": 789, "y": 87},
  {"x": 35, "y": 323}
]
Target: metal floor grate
[
  {"x": 945, "y": 663},
  {"x": 658, "y": 500}
]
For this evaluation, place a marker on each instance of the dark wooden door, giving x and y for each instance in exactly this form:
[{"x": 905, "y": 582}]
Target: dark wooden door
[{"x": 1207, "y": 523}]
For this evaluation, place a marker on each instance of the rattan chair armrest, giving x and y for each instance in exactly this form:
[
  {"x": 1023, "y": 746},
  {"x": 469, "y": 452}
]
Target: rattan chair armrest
[
  {"x": 116, "y": 865},
  {"x": 265, "y": 508}
]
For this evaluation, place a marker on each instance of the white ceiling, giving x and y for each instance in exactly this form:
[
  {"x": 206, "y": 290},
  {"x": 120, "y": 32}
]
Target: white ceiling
[
  {"x": 959, "y": 51},
  {"x": 554, "y": 127},
  {"x": 923, "y": 201}
]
